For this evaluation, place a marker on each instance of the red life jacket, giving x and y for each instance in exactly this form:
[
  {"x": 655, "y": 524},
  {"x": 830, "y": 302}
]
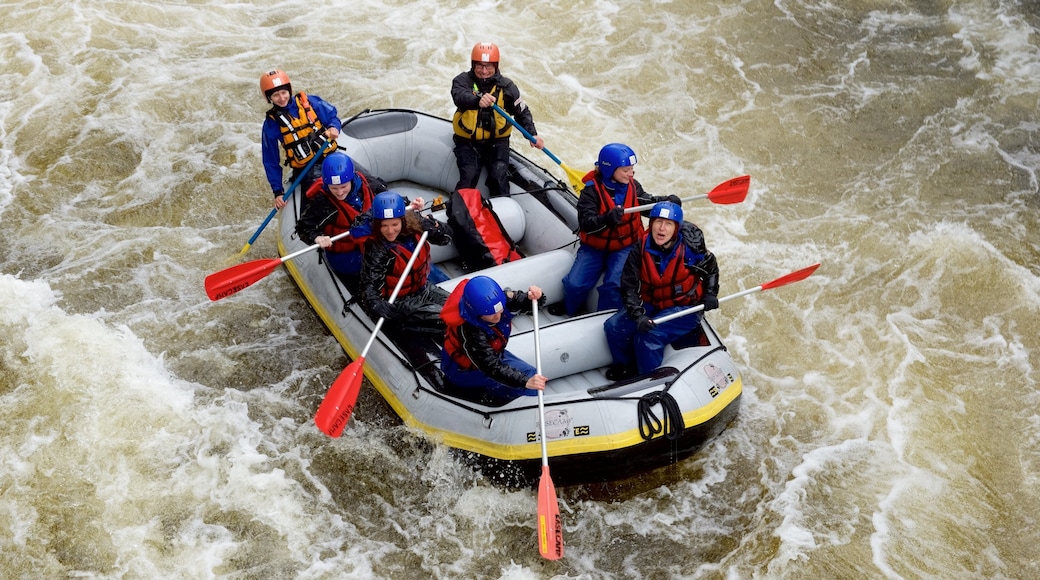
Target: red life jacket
[
  {"x": 623, "y": 235},
  {"x": 417, "y": 277},
  {"x": 453, "y": 337},
  {"x": 671, "y": 287},
  {"x": 345, "y": 216}
]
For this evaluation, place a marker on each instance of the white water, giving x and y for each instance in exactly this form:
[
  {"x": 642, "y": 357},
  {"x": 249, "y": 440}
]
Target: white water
[{"x": 889, "y": 425}]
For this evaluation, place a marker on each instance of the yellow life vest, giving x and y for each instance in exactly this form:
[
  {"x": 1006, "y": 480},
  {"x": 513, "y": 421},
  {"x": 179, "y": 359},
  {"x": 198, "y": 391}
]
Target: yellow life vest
[
  {"x": 298, "y": 133},
  {"x": 467, "y": 124}
]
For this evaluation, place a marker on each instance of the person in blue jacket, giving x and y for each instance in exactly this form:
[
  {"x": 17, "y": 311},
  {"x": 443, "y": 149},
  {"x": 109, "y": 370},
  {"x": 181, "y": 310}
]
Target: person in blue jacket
[
  {"x": 299, "y": 125},
  {"x": 478, "y": 316},
  {"x": 671, "y": 270}
]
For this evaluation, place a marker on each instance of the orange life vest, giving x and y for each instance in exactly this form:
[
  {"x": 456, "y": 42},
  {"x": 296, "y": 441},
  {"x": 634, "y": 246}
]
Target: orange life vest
[
  {"x": 673, "y": 286},
  {"x": 626, "y": 233},
  {"x": 297, "y": 133}
]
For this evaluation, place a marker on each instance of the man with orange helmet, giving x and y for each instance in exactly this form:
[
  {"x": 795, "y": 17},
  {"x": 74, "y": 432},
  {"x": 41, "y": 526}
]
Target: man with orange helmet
[
  {"x": 300, "y": 125},
  {"x": 482, "y": 135}
]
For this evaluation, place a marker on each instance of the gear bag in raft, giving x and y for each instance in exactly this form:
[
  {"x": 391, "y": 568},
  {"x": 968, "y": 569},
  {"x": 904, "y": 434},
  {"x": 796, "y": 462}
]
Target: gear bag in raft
[{"x": 478, "y": 234}]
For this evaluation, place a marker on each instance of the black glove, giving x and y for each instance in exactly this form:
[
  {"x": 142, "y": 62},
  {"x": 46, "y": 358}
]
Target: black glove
[
  {"x": 710, "y": 302},
  {"x": 614, "y": 216},
  {"x": 645, "y": 324},
  {"x": 674, "y": 199},
  {"x": 383, "y": 309}
]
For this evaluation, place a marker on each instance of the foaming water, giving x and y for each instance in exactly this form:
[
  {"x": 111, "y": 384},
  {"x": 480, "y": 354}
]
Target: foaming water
[{"x": 888, "y": 425}]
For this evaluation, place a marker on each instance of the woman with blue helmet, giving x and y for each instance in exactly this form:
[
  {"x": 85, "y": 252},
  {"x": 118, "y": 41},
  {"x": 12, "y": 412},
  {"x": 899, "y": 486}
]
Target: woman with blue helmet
[
  {"x": 670, "y": 270},
  {"x": 478, "y": 316},
  {"x": 606, "y": 232},
  {"x": 395, "y": 233},
  {"x": 337, "y": 199}
]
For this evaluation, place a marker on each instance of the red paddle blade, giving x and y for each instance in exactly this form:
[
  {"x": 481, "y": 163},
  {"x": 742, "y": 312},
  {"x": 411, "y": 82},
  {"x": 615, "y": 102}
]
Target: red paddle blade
[
  {"x": 792, "y": 277},
  {"x": 732, "y": 191},
  {"x": 550, "y": 530},
  {"x": 229, "y": 281},
  {"x": 338, "y": 404}
]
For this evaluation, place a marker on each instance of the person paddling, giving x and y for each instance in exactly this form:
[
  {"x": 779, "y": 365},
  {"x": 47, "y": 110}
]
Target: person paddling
[
  {"x": 300, "y": 125},
  {"x": 342, "y": 194},
  {"x": 482, "y": 136},
  {"x": 395, "y": 235},
  {"x": 670, "y": 271},
  {"x": 607, "y": 233},
  {"x": 478, "y": 315}
]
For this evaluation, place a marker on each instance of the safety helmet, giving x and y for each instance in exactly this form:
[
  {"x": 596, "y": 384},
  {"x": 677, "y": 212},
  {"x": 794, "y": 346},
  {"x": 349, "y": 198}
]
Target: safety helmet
[
  {"x": 337, "y": 169},
  {"x": 272, "y": 81},
  {"x": 614, "y": 155},
  {"x": 388, "y": 205},
  {"x": 485, "y": 52},
  {"x": 483, "y": 296},
  {"x": 667, "y": 210}
]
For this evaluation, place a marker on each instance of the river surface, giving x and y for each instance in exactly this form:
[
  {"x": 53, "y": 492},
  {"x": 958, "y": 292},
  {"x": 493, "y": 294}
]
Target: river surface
[{"x": 889, "y": 426}]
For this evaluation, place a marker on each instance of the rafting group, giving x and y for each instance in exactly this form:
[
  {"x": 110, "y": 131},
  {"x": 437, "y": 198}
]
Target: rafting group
[
  {"x": 644, "y": 274},
  {"x": 460, "y": 308}
]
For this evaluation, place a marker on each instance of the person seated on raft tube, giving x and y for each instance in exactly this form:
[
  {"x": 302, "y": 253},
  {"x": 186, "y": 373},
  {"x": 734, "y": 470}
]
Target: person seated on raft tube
[
  {"x": 671, "y": 270},
  {"x": 479, "y": 316},
  {"x": 395, "y": 234},
  {"x": 606, "y": 232},
  {"x": 300, "y": 125},
  {"x": 336, "y": 200},
  {"x": 481, "y": 134}
]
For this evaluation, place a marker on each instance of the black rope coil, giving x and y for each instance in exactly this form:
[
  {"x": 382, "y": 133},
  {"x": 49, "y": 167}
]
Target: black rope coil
[{"x": 650, "y": 425}]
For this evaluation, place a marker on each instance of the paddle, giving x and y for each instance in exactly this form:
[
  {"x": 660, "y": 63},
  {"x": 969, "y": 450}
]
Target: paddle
[
  {"x": 550, "y": 531},
  {"x": 728, "y": 192},
  {"x": 231, "y": 280},
  {"x": 573, "y": 175},
  {"x": 781, "y": 281},
  {"x": 335, "y": 409},
  {"x": 285, "y": 196}
]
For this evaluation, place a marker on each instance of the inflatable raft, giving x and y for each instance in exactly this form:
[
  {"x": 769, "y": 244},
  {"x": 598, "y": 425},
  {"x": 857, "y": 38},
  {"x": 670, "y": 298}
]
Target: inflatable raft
[{"x": 595, "y": 429}]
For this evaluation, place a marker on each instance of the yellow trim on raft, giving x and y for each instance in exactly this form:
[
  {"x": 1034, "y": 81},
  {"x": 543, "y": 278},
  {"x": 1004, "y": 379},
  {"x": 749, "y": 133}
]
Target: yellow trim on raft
[{"x": 571, "y": 446}]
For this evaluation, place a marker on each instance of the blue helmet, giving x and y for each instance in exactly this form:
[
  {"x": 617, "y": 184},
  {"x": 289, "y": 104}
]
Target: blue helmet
[
  {"x": 388, "y": 205},
  {"x": 483, "y": 296},
  {"x": 667, "y": 210},
  {"x": 614, "y": 155},
  {"x": 337, "y": 169}
]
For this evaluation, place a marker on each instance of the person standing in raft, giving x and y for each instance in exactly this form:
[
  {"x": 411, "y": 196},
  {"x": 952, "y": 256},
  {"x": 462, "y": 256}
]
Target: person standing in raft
[
  {"x": 300, "y": 125},
  {"x": 481, "y": 135},
  {"x": 335, "y": 201},
  {"x": 395, "y": 234},
  {"x": 478, "y": 316},
  {"x": 670, "y": 271},
  {"x": 606, "y": 232}
]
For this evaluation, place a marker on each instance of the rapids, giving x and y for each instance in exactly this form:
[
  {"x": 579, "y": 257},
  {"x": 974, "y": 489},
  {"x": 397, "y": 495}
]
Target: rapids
[{"x": 889, "y": 426}]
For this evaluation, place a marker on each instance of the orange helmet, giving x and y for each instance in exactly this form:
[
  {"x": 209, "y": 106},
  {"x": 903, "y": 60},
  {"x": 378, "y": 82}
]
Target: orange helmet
[
  {"x": 485, "y": 52},
  {"x": 272, "y": 81}
]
